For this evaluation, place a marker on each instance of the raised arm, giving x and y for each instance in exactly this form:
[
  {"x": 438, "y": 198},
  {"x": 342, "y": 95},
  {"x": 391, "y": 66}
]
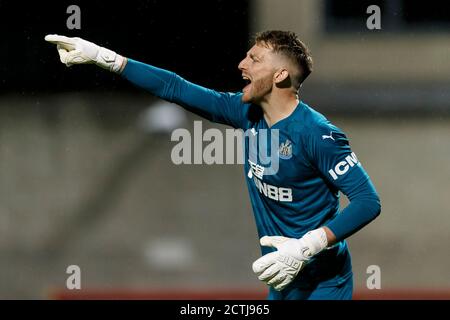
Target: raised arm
[{"x": 220, "y": 107}]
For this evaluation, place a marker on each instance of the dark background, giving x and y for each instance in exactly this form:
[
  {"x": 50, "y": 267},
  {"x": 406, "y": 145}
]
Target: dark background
[
  {"x": 399, "y": 16},
  {"x": 210, "y": 35}
]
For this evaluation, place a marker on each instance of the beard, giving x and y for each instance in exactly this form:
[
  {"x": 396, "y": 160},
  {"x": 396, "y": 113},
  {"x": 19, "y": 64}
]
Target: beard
[{"x": 257, "y": 90}]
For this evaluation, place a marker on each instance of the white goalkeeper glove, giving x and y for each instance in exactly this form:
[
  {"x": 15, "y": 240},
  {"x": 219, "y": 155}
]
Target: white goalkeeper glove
[
  {"x": 277, "y": 269},
  {"x": 79, "y": 51}
]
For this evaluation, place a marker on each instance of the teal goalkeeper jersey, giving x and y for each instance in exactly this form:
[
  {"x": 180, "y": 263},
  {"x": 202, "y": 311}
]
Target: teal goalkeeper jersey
[{"x": 293, "y": 183}]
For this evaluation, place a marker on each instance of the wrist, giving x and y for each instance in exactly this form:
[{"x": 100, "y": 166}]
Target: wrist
[
  {"x": 123, "y": 64},
  {"x": 331, "y": 238},
  {"x": 314, "y": 242},
  {"x": 109, "y": 60}
]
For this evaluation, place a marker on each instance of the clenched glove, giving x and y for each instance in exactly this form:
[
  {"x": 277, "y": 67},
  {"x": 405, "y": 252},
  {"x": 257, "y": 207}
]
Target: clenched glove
[
  {"x": 277, "y": 269},
  {"x": 79, "y": 51}
]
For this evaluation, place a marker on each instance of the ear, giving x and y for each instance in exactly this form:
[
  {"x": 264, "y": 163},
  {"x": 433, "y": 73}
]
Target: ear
[{"x": 280, "y": 75}]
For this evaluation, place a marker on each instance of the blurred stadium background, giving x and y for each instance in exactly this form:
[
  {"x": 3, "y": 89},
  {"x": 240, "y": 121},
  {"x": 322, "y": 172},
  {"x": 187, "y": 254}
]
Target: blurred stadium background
[{"x": 86, "y": 179}]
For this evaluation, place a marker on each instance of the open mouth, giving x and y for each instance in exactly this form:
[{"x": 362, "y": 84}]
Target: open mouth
[{"x": 247, "y": 81}]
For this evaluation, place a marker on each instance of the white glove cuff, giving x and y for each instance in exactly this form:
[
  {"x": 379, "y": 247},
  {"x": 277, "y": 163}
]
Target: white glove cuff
[
  {"x": 108, "y": 59},
  {"x": 315, "y": 240}
]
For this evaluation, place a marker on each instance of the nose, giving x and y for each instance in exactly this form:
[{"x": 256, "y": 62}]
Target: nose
[{"x": 242, "y": 64}]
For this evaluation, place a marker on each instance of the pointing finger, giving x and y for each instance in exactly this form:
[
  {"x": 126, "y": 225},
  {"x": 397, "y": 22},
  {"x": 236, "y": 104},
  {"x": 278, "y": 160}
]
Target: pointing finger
[{"x": 63, "y": 41}]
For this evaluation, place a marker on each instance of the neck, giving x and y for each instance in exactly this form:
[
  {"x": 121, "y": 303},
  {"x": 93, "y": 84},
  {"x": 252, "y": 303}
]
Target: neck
[{"x": 277, "y": 107}]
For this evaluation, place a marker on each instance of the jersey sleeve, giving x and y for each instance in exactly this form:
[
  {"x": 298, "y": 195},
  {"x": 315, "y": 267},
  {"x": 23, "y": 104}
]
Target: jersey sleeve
[
  {"x": 221, "y": 107},
  {"x": 330, "y": 153}
]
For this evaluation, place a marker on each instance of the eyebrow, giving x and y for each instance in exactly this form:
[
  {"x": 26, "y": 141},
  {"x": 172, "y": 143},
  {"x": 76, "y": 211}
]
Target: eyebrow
[{"x": 253, "y": 56}]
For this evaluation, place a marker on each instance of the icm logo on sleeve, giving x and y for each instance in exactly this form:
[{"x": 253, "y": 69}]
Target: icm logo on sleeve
[{"x": 342, "y": 167}]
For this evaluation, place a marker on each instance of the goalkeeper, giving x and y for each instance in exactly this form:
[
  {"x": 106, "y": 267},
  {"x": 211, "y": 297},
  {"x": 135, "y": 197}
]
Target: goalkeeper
[{"x": 301, "y": 228}]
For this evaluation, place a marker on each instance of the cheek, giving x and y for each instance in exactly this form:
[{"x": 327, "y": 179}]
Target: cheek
[{"x": 263, "y": 84}]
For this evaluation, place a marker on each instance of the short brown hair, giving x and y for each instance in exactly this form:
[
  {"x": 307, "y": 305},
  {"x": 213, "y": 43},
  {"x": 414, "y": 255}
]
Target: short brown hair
[{"x": 287, "y": 43}]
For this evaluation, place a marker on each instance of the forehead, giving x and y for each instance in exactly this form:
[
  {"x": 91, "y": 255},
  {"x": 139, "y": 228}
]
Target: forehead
[{"x": 259, "y": 50}]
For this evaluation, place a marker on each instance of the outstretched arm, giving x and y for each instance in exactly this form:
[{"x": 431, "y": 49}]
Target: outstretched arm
[{"x": 221, "y": 107}]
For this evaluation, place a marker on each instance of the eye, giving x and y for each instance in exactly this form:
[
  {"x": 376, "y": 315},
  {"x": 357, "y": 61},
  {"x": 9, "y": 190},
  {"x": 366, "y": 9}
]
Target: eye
[{"x": 253, "y": 58}]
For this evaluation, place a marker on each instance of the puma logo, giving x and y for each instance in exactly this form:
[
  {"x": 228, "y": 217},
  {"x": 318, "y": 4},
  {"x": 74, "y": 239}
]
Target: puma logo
[{"x": 328, "y": 137}]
